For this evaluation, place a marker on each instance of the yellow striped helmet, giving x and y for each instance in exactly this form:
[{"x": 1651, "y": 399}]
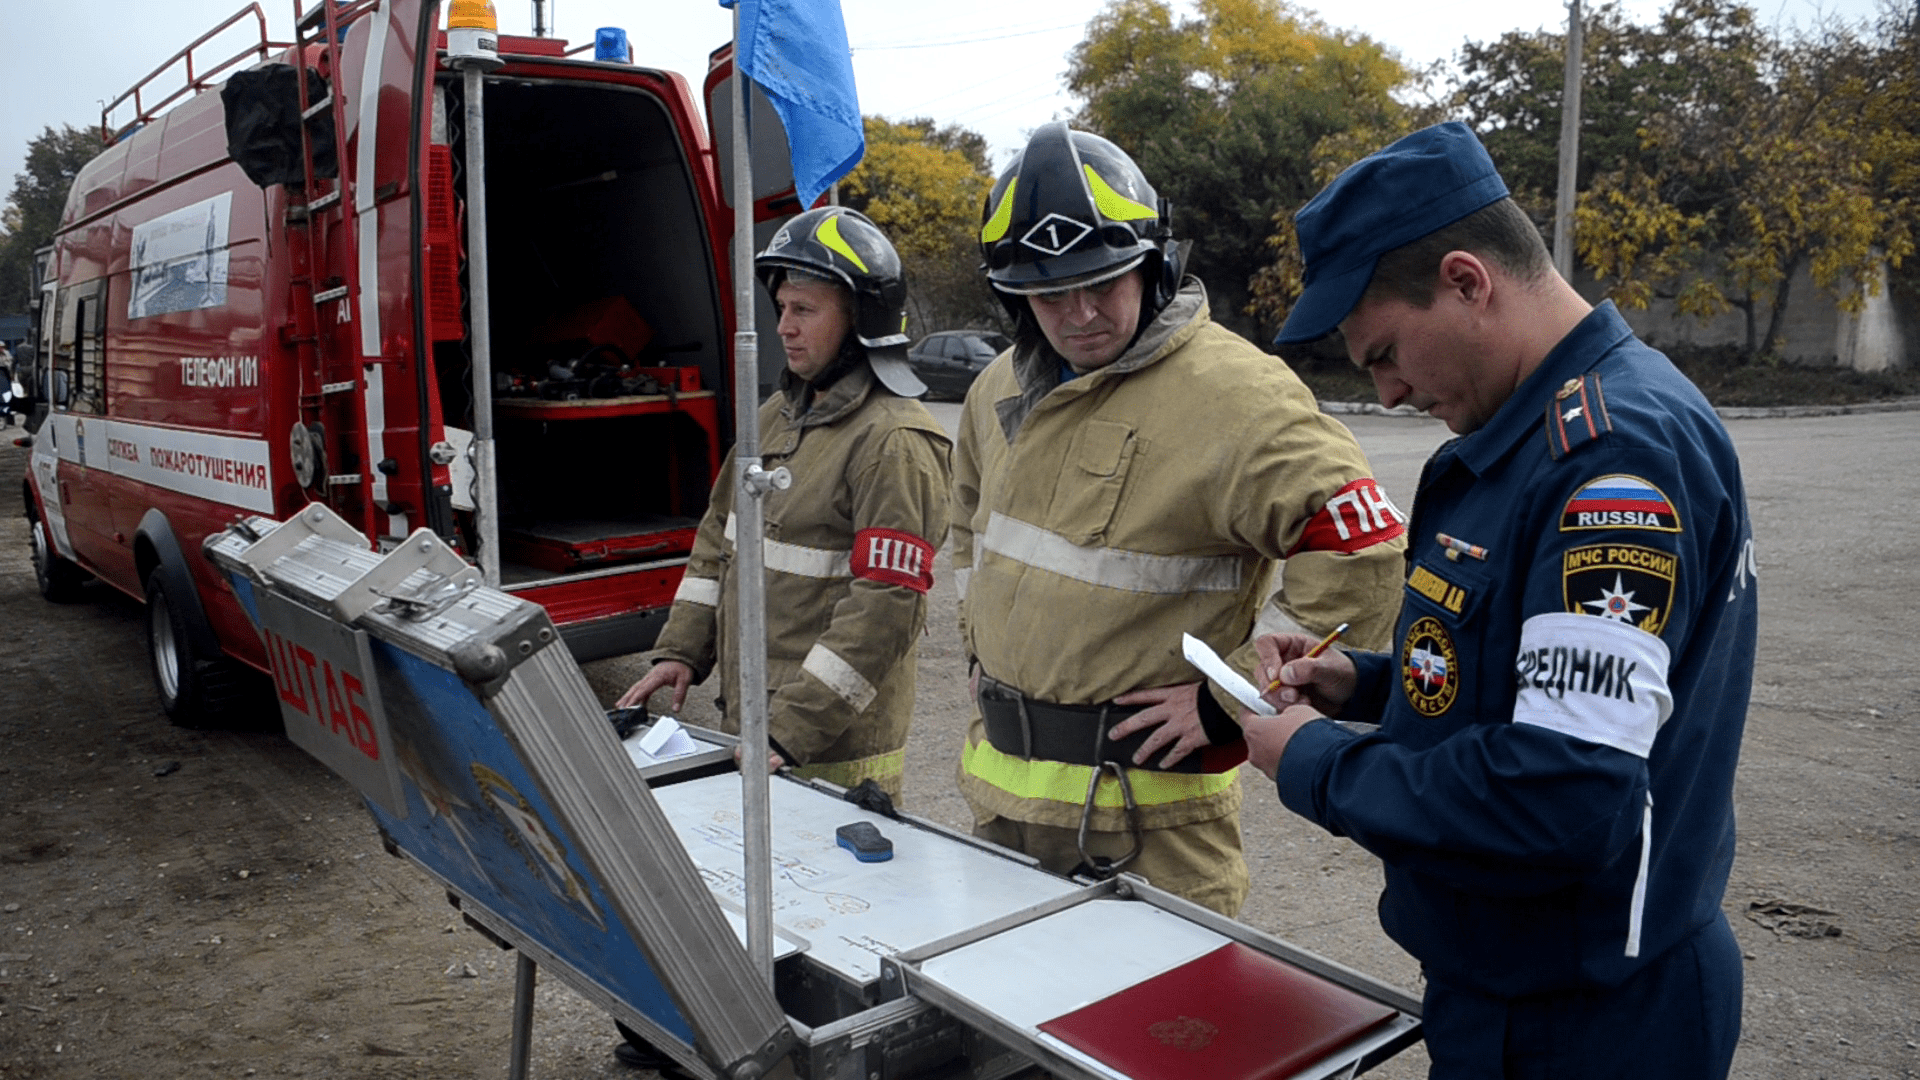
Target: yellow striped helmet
[
  {"x": 843, "y": 246},
  {"x": 1073, "y": 209}
]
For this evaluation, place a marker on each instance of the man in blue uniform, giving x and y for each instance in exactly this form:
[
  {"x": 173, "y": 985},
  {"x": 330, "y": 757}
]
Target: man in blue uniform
[{"x": 1550, "y": 787}]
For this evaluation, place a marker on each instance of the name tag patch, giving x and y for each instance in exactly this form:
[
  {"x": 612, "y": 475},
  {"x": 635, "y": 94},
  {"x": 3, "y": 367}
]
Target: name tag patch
[
  {"x": 1437, "y": 589},
  {"x": 1619, "y": 502},
  {"x": 1429, "y": 667},
  {"x": 1625, "y": 583}
]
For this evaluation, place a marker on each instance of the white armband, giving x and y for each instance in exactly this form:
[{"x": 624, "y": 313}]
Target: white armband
[{"x": 1593, "y": 679}]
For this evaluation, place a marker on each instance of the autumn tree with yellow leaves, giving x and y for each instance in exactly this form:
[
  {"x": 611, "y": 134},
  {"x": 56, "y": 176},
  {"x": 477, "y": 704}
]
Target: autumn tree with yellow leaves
[
  {"x": 1223, "y": 110},
  {"x": 1718, "y": 159},
  {"x": 1763, "y": 158},
  {"x": 924, "y": 186}
]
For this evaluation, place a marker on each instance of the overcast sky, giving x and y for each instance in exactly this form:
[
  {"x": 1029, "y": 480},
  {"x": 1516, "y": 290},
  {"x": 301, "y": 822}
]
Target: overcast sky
[{"x": 992, "y": 65}]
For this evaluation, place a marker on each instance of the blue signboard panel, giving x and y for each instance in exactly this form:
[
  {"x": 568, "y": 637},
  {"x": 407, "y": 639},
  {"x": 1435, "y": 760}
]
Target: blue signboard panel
[{"x": 478, "y": 822}]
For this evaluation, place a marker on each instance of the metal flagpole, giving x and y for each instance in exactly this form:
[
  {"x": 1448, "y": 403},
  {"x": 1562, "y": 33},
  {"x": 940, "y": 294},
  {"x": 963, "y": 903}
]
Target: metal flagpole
[
  {"x": 487, "y": 507},
  {"x": 473, "y": 48},
  {"x": 750, "y": 483}
]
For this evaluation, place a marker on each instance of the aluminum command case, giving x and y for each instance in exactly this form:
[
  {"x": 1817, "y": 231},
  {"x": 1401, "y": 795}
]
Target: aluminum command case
[{"x": 484, "y": 758}]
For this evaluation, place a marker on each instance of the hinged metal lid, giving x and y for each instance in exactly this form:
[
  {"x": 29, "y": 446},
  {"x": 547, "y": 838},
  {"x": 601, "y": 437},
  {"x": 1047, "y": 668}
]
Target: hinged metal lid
[{"x": 501, "y": 775}]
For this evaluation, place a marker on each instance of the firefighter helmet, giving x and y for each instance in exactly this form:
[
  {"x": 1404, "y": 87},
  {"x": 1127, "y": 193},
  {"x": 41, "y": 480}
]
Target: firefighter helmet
[
  {"x": 841, "y": 245},
  {"x": 1073, "y": 209}
]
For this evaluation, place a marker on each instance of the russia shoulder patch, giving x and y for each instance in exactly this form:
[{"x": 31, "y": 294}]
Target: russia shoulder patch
[
  {"x": 1619, "y": 502},
  {"x": 1577, "y": 415}
]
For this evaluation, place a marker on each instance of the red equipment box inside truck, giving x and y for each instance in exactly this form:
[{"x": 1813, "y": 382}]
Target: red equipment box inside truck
[{"x": 257, "y": 299}]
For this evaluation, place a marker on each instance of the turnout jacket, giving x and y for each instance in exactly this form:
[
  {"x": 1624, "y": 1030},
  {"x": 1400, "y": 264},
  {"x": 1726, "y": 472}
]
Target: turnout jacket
[
  {"x": 849, "y": 560},
  {"x": 1551, "y": 787},
  {"x": 1096, "y": 520}
]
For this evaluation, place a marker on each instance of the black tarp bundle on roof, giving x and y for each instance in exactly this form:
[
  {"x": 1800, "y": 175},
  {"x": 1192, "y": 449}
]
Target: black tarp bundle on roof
[{"x": 263, "y": 125}]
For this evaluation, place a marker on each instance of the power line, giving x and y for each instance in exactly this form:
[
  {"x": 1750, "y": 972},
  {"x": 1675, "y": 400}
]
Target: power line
[
  {"x": 991, "y": 79},
  {"x": 967, "y": 41},
  {"x": 1023, "y": 103},
  {"x": 1025, "y": 92}
]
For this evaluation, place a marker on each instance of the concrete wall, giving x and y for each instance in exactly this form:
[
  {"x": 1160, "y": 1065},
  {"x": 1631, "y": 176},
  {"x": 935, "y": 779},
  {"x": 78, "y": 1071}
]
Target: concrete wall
[{"x": 1815, "y": 331}]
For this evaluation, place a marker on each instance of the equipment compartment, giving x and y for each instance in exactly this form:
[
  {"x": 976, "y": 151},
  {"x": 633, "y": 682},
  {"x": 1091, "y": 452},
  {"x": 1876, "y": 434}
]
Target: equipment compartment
[{"x": 606, "y": 320}]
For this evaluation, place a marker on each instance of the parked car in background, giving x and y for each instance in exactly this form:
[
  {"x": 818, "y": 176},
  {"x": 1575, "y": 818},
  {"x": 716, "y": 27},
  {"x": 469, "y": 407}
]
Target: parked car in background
[{"x": 948, "y": 360}]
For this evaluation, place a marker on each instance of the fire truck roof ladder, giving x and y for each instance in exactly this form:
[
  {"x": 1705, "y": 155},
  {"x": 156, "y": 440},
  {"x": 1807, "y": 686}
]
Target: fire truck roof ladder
[
  {"x": 335, "y": 423},
  {"x": 198, "y": 76}
]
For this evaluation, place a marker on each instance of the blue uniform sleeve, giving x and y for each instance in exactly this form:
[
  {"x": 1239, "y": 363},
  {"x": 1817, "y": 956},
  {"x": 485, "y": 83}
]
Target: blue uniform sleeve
[
  {"x": 1373, "y": 678},
  {"x": 1536, "y": 774}
]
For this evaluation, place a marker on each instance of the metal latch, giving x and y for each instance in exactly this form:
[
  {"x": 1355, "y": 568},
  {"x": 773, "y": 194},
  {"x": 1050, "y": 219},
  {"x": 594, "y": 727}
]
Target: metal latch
[
  {"x": 419, "y": 579},
  {"x": 313, "y": 520},
  {"x": 759, "y": 481}
]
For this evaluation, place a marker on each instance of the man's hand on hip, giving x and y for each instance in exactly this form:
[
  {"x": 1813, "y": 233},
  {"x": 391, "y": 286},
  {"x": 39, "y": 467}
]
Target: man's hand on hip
[{"x": 1174, "y": 711}]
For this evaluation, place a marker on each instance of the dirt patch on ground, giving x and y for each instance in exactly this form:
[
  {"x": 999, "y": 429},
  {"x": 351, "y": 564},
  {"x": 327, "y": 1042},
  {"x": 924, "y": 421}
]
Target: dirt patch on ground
[{"x": 179, "y": 903}]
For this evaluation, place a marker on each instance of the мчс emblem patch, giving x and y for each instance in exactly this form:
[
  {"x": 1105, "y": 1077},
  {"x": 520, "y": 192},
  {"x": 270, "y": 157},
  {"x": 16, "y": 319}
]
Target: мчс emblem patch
[
  {"x": 1619, "y": 502},
  {"x": 1623, "y": 582},
  {"x": 1429, "y": 667}
]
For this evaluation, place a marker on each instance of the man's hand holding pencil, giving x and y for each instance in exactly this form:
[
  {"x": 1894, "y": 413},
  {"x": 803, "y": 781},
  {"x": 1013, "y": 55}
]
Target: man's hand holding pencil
[
  {"x": 1306, "y": 679},
  {"x": 1298, "y": 669}
]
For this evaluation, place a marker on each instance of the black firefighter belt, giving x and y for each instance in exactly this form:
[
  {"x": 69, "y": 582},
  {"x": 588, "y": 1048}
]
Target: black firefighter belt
[{"x": 1019, "y": 726}]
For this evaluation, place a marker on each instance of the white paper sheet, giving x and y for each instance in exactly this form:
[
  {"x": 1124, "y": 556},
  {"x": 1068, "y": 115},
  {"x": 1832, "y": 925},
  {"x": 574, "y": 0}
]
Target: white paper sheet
[
  {"x": 664, "y": 741},
  {"x": 1202, "y": 656}
]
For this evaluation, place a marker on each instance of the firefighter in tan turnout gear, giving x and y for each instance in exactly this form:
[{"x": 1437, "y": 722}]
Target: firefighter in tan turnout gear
[
  {"x": 1130, "y": 471},
  {"x": 849, "y": 547}
]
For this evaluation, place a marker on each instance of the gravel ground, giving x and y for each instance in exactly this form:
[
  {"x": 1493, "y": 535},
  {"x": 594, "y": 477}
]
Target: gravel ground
[{"x": 184, "y": 904}]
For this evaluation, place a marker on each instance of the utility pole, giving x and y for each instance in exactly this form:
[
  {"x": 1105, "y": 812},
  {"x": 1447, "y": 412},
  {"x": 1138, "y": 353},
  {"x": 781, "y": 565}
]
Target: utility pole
[{"x": 1569, "y": 148}]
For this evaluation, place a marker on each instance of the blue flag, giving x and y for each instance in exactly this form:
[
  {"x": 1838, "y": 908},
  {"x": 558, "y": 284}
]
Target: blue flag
[{"x": 797, "y": 51}]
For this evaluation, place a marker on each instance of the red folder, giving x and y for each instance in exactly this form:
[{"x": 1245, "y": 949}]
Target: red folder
[{"x": 1233, "y": 1014}]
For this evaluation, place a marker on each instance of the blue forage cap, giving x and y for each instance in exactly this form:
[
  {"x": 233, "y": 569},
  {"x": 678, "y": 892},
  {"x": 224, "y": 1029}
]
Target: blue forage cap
[{"x": 1424, "y": 182}]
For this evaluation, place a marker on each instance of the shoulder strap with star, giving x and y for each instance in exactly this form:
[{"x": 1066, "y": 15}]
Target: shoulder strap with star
[{"x": 1577, "y": 415}]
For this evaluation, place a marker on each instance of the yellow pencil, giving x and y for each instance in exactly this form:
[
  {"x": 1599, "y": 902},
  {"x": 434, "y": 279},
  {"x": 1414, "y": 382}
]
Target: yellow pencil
[{"x": 1325, "y": 642}]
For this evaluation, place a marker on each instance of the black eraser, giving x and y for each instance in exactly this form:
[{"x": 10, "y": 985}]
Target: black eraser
[{"x": 867, "y": 843}]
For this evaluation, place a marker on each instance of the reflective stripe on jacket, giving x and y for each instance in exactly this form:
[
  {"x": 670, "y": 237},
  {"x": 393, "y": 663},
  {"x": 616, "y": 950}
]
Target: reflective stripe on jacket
[
  {"x": 1097, "y": 520},
  {"x": 840, "y": 647}
]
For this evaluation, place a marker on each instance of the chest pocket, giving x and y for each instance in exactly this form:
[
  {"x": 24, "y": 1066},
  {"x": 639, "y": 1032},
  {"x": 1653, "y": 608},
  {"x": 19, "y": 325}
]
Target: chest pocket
[
  {"x": 1089, "y": 488},
  {"x": 1439, "y": 651},
  {"x": 1451, "y": 591}
]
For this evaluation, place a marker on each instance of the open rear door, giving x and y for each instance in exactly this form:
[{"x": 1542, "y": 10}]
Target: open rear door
[
  {"x": 386, "y": 58},
  {"x": 774, "y": 199}
]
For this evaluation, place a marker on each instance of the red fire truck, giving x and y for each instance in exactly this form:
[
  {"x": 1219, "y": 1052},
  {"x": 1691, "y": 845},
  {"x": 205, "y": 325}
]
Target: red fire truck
[{"x": 258, "y": 298}]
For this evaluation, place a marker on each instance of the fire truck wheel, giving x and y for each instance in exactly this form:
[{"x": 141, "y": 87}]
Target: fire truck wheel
[
  {"x": 59, "y": 580},
  {"x": 195, "y": 690}
]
